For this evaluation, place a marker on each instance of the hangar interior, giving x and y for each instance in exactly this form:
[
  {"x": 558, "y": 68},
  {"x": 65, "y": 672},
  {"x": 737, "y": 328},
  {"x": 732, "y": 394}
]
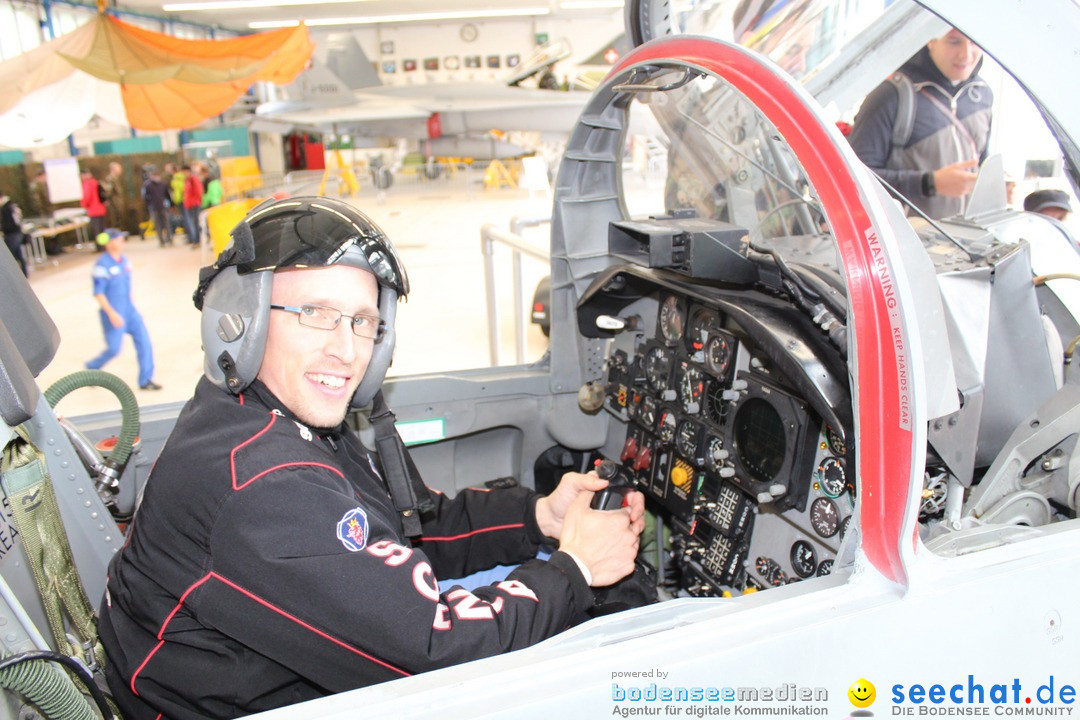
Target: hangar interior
[
  {"x": 435, "y": 223},
  {"x": 701, "y": 325}
]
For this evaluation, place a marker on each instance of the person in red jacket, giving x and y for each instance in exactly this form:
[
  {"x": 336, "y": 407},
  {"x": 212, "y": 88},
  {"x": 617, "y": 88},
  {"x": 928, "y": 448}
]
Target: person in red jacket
[
  {"x": 93, "y": 201},
  {"x": 193, "y": 192}
]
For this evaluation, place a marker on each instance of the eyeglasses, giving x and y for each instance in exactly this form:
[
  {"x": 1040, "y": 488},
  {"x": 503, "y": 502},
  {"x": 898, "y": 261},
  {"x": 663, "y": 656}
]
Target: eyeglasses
[{"x": 327, "y": 318}]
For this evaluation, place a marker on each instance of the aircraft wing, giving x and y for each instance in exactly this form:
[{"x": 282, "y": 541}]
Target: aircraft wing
[{"x": 461, "y": 107}]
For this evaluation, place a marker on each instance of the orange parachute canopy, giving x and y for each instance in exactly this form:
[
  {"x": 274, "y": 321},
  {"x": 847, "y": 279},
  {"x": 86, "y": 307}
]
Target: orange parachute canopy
[{"x": 154, "y": 81}]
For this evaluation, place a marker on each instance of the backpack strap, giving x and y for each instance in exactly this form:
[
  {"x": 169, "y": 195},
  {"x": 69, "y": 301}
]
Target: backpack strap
[
  {"x": 25, "y": 479},
  {"x": 904, "y": 121}
]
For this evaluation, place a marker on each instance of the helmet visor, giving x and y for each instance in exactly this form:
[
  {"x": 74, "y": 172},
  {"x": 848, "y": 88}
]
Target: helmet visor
[{"x": 315, "y": 234}]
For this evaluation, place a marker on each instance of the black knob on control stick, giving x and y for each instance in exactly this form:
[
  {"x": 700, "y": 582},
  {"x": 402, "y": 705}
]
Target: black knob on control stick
[{"x": 619, "y": 486}]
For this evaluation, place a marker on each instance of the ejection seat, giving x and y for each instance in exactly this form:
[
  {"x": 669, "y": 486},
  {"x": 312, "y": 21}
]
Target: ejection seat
[{"x": 28, "y": 343}]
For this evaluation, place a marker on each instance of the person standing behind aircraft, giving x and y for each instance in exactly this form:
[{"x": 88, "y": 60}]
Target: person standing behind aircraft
[
  {"x": 193, "y": 195},
  {"x": 117, "y": 201},
  {"x": 156, "y": 194},
  {"x": 213, "y": 193},
  {"x": 11, "y": 224},
  {"x": 40, "y": 204},
  {"x": 926, "y": 129},
  {"x": 93, "y": 201},
  {"x": 175, "y": 180}
]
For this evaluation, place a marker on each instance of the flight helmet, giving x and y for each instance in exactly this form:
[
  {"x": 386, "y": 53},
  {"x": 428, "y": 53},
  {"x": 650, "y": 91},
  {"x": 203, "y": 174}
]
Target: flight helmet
[{"x": 234, "y": 292}]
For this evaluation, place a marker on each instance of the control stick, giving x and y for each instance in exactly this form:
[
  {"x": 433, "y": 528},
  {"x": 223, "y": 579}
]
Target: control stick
[{"x": 619, "y": 486}]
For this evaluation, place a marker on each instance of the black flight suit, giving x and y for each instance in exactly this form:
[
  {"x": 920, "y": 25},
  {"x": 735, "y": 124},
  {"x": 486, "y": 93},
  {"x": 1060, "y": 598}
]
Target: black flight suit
[{"x": 266, "y": 566}]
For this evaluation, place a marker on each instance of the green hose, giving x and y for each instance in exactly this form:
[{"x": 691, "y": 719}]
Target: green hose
[
  {"x": 129, "y": 427},
  {"x": 50, "y": 691}
]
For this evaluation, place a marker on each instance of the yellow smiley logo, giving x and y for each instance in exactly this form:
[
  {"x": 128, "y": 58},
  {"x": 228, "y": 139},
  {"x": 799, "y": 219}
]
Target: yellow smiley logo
[{"x": 862, "y": 693}]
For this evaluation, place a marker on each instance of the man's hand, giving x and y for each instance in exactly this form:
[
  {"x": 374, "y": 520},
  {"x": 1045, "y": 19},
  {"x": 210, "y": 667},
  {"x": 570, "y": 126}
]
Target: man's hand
[
  {"x": 606, "y": 541},
  {"x": 956, "y": 180},
  {"x": 115, "y": 318},
  {"x": 551, "y": 509}
]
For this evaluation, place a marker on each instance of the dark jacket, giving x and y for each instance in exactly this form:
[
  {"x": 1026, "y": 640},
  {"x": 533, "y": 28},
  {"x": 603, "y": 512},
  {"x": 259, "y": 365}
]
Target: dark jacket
[
  {"x": 156, "y": 193},
  {"x": 266, "y": 566},
  {"x": 936, "y": 140},
  {"x": 11, "y": 218}
]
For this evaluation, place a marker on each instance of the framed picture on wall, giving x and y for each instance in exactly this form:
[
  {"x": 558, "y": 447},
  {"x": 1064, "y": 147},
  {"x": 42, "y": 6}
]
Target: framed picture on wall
[
  {"x": 389, "y": 66},
  {"x": 494, "y": 62},
  {"x": 431, "y": 63},
  {"x": 472, "y": 61},
  {"x": 408, "y": 65},
  {"x": 451, "y": 62},
  {"x": 512, "y": 61},
  {"x": 387, "y": 47}
]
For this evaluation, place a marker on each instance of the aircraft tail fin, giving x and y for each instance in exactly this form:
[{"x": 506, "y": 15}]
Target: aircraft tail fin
[
  {"x": 346, "y": 59},
  {"x": 333, "y": 75}
]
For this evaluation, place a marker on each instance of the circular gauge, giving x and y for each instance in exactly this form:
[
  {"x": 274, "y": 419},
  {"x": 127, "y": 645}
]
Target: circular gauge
[
  {"x": 803, "y": 559},
  {"x": 844, "y": 527},
  {"x": 686, "y": 439},
  {"x": 770, "y": 570},
  {"x": 825, "y": 568},
  {"x": 658, "y": 368},
  {"x": 836, "y": 443},
  {"x": 715, "y": 454},
  {"x": 671, "y": 319},
  {"x": 760, "y": 440},
  {"x": 833, "y": 480},
  {"x": 646, "y": 414},
  {"x": 824, "y": 517},
  {"x": 691, "y": 388},
  {"x": 702, "y": 323},
  {"x": 718, "y": 354},
  {"x": 666, "y": 430}
]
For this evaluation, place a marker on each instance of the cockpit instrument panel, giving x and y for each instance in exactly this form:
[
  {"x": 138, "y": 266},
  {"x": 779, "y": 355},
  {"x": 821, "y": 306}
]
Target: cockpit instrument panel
[{"x": 715, "y": 427}]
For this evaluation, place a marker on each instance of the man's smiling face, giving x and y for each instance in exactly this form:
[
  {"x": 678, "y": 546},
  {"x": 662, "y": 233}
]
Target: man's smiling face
[{"x": 315, "y": 372}]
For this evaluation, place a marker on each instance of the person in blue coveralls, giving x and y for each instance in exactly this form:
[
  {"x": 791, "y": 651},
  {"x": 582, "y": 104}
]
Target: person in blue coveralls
[{"x": 112, "y": 290}]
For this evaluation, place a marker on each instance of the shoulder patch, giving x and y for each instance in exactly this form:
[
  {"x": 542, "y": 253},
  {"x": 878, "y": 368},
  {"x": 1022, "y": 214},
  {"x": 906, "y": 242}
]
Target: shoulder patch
[{"x": 352, "y": 530}]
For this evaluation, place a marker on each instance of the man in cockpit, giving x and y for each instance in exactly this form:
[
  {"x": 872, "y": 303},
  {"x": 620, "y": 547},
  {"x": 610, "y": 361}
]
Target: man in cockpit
[
  {"x": 925, "y": 130},
  {"x": 276, "y": 556}
]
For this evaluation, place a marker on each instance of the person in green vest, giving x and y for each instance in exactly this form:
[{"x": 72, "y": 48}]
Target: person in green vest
[
  {"x": 213, "y": 193},
  {"x": 175, "y": 179}
]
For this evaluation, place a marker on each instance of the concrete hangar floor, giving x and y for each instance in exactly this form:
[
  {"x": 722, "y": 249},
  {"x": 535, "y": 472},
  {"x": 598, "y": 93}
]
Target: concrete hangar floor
[{"x": 442, "y": 326}]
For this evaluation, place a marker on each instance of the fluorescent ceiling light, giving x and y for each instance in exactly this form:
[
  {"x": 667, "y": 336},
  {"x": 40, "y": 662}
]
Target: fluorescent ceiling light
[
  {"x": 411, "y": 17},
  {"x": 590, "y": 4},
  {"x": 243, "y": 4}
]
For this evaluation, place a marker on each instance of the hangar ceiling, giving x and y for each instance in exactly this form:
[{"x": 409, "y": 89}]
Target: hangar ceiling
[{"x": 229, "y": 15}]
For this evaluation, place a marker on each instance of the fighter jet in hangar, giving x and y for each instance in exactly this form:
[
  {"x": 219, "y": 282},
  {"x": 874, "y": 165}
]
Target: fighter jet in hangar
[
  {"x": 341, "y": 94},
  {"x": 857, "y": 433}
]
